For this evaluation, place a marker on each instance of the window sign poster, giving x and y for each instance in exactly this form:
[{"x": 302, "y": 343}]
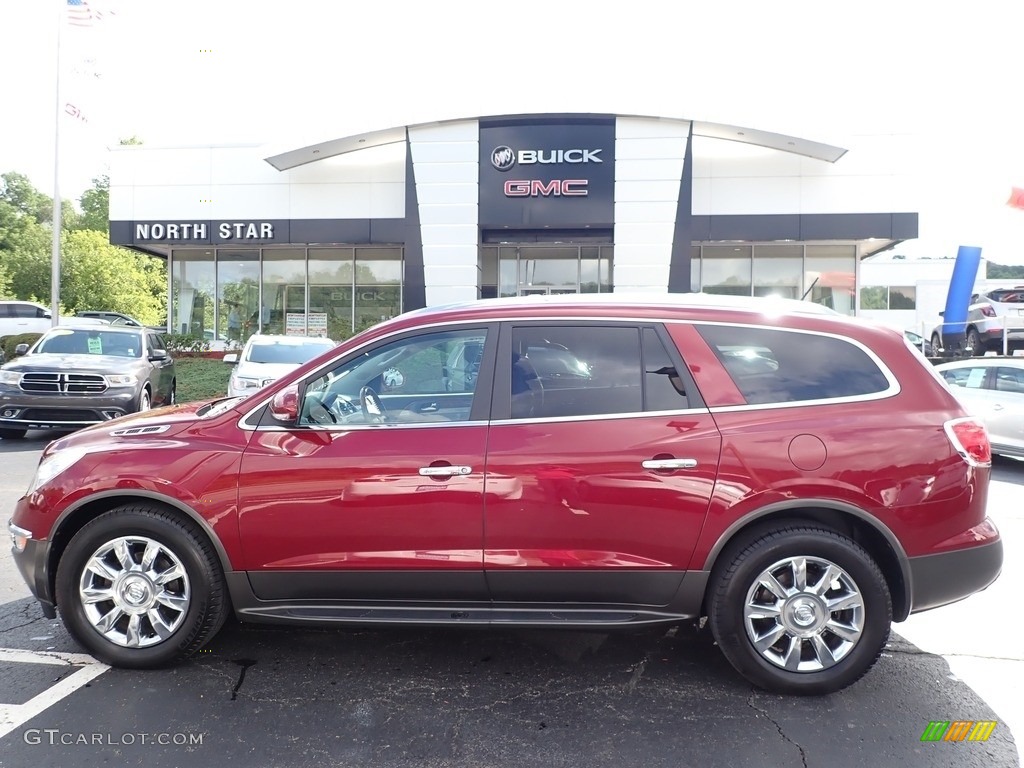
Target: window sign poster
[
  {"x": 295, "y": 324},
  {"x": 318, "y": 324}
]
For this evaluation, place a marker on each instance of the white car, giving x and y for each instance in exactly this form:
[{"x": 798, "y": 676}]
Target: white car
[
  {"x": 265, "y": 358},
  {"x": 993, "y": 390}
]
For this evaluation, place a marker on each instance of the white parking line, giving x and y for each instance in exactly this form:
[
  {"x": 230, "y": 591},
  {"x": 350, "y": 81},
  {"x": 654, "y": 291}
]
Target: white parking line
[{"x": 14, "y": 715}]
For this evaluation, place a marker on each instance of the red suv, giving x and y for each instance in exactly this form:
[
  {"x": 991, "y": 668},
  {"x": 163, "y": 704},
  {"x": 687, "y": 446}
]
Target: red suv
[{"x": 799, "y": 478}]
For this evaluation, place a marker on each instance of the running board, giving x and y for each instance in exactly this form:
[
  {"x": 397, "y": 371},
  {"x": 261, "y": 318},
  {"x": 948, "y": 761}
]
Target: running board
[{"x": 475, "y": 616}]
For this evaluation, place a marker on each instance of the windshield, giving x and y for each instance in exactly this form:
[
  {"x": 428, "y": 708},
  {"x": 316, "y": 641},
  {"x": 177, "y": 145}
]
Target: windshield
[
  {"x": 284, "y": 352},
  {"x": 65, "y": 341}
]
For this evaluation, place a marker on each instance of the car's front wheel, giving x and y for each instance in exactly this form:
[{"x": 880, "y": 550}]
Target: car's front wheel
[
  {"x": 801, "y": 610},
  {"x": 139, "y": 586},
  {"x": 145, "y": 401}
]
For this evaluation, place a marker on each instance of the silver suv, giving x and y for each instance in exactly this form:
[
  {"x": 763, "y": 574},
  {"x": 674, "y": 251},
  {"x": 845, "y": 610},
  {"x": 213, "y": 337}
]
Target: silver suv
[{"x": 987, "y": 316}]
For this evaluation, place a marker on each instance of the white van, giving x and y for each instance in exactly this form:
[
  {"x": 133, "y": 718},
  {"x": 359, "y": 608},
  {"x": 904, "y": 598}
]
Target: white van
[{"x": 23, "y": 317}]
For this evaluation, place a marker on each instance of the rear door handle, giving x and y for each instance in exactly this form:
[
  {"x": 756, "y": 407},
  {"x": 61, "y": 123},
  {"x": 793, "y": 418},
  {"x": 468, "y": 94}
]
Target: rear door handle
[
  {"x": 669, "y": 464},
  {"x": 444, "y": 471}
]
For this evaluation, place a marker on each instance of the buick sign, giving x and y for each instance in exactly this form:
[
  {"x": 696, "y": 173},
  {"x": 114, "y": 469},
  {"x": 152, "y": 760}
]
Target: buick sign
[{"x": 504, "y": 158}]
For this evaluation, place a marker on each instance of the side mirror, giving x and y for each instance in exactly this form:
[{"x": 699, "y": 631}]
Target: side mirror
[
  {"x": 21, "y": 349},
  {"x": 231, "y": 358},
  {"x": 285, "y": 405},
  {"x": 157, "y": 354}
]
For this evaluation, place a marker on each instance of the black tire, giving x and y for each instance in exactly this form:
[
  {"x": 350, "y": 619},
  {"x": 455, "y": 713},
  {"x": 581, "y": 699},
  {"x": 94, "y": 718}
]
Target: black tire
[
  {"x": 145, "y": 402},
  {"x": 202, "y": 595},
  {"x": 936, "y": 343},
  {"x": 173, "y": 398},
  {"x": 739, "y": 580},
  {"x": 974, "y": 342},
  {"x": 12, "y": 434}
]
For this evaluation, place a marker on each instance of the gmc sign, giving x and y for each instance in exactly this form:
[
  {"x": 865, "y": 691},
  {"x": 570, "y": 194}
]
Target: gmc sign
[{"x": 553, "y": 188}]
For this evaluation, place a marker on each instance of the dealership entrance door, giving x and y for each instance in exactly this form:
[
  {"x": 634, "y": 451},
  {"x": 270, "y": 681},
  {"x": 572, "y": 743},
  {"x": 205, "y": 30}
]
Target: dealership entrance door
[{"x": 544, "y": 269}]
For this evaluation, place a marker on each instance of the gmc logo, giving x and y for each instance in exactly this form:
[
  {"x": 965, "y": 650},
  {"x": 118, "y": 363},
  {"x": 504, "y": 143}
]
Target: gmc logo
[{"x": 553, "y": 188}]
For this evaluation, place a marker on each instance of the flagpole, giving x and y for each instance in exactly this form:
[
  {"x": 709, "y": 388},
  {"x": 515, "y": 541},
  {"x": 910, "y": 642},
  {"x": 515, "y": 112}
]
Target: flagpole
[{"x": 56, "y": 225}]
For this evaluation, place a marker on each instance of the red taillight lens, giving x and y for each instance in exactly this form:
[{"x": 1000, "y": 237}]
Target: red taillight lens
[
  {"x": 970, "y": 439},
  {"x": 987, "y": 311}
]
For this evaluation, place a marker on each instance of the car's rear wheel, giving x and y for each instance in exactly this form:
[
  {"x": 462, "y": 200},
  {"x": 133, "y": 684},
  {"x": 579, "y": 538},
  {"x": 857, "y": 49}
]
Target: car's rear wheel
[
  {"x": 936, "y": 343},
  {"x": 800, "y": 610},
  {"x": 12, "y": 434},
  {"x": 975, "y": 343},
  {"x": 139, "y": 587},
  {"x": 173, "y": 397}
]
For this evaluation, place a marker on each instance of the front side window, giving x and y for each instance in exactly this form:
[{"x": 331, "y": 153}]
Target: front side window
[
  {"x": 773, "y": 366},
  {"x": 428, "y": 378},
  {"x": 968, "y": 378}
]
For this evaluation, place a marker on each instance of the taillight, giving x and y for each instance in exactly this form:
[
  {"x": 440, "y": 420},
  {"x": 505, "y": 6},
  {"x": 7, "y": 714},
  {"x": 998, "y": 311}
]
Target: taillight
[
  {"x": 987, "y": 311},
  {"x": 970, "y": 439}
]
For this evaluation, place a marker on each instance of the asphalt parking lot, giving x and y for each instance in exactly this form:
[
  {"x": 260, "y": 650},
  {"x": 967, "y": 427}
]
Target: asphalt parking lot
[{"x": 268, "y": 696}]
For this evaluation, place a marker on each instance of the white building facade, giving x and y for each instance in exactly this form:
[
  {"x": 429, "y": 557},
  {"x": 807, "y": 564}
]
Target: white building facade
[{"x": 330, "y": 238}]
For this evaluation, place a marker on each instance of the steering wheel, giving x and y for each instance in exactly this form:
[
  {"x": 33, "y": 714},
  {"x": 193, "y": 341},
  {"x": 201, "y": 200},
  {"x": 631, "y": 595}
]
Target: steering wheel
[{"x": 373, "y": 409}]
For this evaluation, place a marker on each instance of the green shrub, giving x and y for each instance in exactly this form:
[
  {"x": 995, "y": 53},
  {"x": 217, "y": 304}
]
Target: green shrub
[
  {"x": 10, "y": 342},
  {"x": 183, "y": 342}
]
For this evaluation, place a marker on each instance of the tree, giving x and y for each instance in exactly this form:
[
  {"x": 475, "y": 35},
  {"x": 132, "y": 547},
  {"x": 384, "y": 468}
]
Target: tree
[
  {"x": 17, "y": 191},
  {"x": 95, "y": 205},
  {"x": 97, "y": 275}
]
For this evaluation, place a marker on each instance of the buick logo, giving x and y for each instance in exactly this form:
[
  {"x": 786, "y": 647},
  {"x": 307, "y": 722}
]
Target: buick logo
[{"x": 503, "y": 158}]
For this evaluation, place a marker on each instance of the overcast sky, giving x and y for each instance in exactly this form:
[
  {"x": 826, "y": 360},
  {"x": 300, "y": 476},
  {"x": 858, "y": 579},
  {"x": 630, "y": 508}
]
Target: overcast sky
[{"x": 197, "y": 72}]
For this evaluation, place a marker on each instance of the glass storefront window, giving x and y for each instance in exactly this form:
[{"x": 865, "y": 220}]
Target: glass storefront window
[
  {"x": 778, "y": 270},
  {"x": 284, "y": 291},
  {"x": 902, "y": 297},
  {"x": 831, "y": 276},
  {"x": 193, "y": 293},
  {"x": 546, "y": 269},
  {"x": 331, "y": 273},
  {"x": 695, "y": 268},
  {"x": 726, "y": 269},
  {"x": 238, "y": 294},
  {"x": 874, "y": 297},
  {"x": 378, "y": 287}
]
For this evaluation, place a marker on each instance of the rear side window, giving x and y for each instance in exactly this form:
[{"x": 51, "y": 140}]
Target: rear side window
[{"x": 775, "y": 366}]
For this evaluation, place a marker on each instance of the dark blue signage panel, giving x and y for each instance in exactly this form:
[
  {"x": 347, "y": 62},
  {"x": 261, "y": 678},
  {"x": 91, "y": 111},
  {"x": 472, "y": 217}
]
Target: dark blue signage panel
[{"x": 542, "y": 174}]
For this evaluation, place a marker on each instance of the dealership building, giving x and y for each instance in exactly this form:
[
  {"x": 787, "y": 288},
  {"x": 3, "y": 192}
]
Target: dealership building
[{"x": 336, "y": 236}]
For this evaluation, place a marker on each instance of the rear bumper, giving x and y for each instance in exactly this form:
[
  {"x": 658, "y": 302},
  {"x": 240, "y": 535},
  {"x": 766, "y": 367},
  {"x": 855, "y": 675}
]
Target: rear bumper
[{"x": 946, "y": 577}]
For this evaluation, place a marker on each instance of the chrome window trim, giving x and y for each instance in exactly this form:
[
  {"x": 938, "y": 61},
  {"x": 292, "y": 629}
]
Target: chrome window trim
[
  {"x": 602, "y": 417},
  {"x": 365, "y": 427},
  {"x": 893, "y": 390}
]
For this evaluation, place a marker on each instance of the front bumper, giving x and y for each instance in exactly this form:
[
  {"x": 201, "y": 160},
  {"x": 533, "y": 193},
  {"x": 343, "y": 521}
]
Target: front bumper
[
  {"x": 947, "y": 577},
  {"x": 31, "y": 562},
  {"x": 55, "y": 411}
]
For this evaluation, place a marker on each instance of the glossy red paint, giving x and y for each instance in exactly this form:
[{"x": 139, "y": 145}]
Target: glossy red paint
[{"x": 541, "y": 504}]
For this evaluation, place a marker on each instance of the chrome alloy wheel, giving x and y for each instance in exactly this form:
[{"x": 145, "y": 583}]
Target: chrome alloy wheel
[
  {"x": 135, "y": 591},
  {"x": 804, "y": 614}
]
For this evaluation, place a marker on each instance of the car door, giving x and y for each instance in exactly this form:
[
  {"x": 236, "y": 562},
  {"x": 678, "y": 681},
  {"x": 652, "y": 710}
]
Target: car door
[
  {"x": 1006, "y": 418},
  {"x": 162, "y": 368},
  {"x": 601, "y": 462},
  {"x": 376, "y": 490}
]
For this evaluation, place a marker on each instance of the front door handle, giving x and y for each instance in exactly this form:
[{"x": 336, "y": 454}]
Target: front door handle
[
  {"x": 444, "y": 471},
  {"x": 669, "y": 464}
]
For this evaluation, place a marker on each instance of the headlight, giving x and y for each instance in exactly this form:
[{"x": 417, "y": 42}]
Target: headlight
[
  {"x": 13, "y": 378},
  {"x": 53, "y": 465},
  {"x": 121, "y": 379},
  {"x": 239, "y": 383}
]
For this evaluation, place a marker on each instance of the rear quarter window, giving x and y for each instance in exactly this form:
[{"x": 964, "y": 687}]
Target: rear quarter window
[{"x": 776, "y": 366}]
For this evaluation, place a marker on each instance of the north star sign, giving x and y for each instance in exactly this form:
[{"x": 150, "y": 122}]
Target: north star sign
[{"x": 204, "y": 231}]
